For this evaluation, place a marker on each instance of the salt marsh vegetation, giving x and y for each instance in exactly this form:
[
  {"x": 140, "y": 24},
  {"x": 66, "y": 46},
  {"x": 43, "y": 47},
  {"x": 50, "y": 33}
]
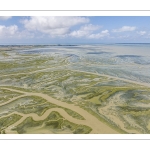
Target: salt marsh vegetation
[{"x": 58, "y": 89}]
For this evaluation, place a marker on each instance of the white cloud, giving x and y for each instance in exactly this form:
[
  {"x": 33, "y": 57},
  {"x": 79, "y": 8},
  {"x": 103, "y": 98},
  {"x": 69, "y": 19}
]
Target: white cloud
[
  {"x": 124, "y": 37},
  {"x": 124, "y": 29},
  {"x": 8, "y": 31},
  {"x": 24, "y": 34},
  {"x": 104, "y": 33},
  {"x": 79, "y": 33},
  {"x": 5, "y": 17},
  {"x": 84, "y": 31},
  {"x": 12, "y": 31},
  {"x": 141, "y": 32},
  {"x": 52, "y": 25},
  {"x": 90, "y": 27}
]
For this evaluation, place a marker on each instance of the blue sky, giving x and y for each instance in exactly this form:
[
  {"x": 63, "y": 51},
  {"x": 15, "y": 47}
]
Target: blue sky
[{"x": 74, "y": 29}]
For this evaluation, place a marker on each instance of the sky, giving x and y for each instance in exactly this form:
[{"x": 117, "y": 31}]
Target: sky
[{"x": 74, "y": 29}]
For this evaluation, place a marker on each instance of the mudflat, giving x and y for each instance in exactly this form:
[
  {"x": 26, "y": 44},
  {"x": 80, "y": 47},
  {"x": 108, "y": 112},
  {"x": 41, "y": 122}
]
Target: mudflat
[{"x": 63, "y": 89}]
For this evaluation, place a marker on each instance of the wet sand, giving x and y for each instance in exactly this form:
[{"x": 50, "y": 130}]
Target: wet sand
[
  {"x": 90, "y": 120},
  {"x": 117, "y": 78}
]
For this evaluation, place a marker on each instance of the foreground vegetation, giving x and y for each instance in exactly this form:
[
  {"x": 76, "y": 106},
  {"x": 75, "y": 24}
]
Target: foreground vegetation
[{"x": 122, "y": 105}]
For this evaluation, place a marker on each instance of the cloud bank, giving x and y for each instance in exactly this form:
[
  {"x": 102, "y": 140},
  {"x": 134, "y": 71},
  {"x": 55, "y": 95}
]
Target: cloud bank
[
  {"x": 53, "y": 25},
  {"x": 84, "y": 31},
  {"x": 141, "y": 32},
  {"x": 7, "y": 32},
  {"x": 102, "y": 34},
  {"x": 124, "y": 29}
]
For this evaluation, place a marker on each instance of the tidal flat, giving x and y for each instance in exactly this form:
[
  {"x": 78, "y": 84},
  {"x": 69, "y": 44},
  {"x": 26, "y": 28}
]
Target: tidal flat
[{"x": 75, "y": 89}]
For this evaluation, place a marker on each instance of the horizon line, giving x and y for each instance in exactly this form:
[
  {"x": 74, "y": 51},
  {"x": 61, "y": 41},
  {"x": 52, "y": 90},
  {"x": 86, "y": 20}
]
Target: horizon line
[{"x": 61, "y": 44}]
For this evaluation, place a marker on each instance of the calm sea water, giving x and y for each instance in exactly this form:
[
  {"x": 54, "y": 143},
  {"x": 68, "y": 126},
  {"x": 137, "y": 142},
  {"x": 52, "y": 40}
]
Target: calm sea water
[
  {"x": 115, "y": 49},
  {"x": 130, "y": 61}
]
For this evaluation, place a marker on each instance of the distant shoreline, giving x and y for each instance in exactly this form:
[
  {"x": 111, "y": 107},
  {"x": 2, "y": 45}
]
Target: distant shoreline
[{"x": 71, "y": 44}]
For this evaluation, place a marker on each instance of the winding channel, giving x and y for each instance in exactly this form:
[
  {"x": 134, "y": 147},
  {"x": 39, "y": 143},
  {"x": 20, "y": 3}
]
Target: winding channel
[{"x": 90, "y": 120}]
